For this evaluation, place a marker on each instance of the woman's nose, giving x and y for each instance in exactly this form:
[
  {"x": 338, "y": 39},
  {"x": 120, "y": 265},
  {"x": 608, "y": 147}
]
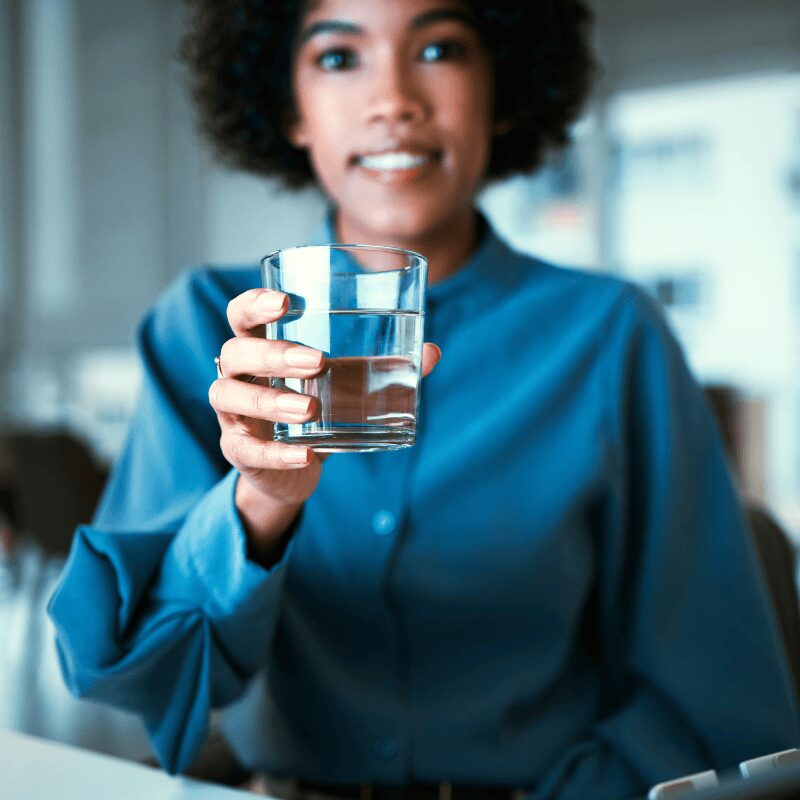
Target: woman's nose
[{"x": 395, "y": 97}]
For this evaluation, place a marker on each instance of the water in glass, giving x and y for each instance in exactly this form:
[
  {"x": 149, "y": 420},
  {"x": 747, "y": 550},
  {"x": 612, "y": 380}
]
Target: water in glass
[{"x": 369, "y": 388}]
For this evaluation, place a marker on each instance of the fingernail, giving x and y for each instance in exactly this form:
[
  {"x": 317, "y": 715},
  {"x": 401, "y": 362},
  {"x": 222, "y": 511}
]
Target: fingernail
[
  {"x": 271, "y": 301},
  {"x": 293, "y": 403},
  {"x": 303, "y": 357},
  {"x": 294, "y": 455}
]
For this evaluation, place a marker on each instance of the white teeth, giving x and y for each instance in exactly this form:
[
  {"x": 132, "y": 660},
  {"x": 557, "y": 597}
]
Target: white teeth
[{"x": 393, "y": 161}]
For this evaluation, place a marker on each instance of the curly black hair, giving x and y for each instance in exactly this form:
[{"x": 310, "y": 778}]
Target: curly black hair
[{"x": 239, "y": 53}]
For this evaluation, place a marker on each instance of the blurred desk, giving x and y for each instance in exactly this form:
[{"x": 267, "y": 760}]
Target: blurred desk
[{"x": 37, "y": 769}]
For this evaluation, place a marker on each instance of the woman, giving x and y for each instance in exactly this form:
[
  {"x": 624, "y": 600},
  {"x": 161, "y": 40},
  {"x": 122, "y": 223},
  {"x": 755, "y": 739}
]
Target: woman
[{"x": 552, "y": 594}]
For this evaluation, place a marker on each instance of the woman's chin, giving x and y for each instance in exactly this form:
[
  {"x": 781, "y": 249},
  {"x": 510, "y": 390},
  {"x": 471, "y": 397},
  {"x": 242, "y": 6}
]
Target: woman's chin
[{"x": 396, "y": 223}]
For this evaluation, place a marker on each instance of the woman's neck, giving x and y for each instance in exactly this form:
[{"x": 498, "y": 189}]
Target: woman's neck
[{"x": 447, "y": 248}]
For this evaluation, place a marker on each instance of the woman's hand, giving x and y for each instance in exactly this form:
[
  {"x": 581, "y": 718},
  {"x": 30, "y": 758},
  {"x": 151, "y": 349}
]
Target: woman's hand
[{"x": 276, "y": 478}]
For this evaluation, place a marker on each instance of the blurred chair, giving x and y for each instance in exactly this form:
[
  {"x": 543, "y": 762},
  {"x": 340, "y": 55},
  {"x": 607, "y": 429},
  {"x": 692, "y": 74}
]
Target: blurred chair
[
  {"x": 743, "y": 424},
  {"x": 55, "y": 482},
  {"x": 778, "y": 561},
  {"x": 49, "y": 483},
  {"x": 775, "y": 549}
]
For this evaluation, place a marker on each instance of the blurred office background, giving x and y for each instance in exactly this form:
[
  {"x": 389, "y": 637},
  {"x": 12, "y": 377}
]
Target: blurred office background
[{"x": 684, "y": 176}]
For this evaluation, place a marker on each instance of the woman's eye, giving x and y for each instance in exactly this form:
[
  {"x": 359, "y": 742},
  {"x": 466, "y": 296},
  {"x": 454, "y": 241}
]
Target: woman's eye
[
  {"x": 338, "y": 59},
  {"x": 436, "y": 51}
]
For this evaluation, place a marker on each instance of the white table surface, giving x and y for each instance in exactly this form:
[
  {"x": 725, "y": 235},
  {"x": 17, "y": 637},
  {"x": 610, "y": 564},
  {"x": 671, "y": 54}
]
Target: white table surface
[{"x": 37, "y": 769}]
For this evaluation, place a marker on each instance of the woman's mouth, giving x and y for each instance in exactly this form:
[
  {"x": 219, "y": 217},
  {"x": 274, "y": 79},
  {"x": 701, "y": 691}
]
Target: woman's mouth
[
  {"x": 394, "y": 160},
  {"x": 397, "y": 166}
]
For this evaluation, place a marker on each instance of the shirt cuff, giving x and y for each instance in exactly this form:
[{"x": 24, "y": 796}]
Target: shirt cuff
[{"x": 209, "y": 553}]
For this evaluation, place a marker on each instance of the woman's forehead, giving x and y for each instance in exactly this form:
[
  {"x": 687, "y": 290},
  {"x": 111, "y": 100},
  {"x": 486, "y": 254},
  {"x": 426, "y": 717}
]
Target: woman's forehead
[{"x": 373, "y": 9}]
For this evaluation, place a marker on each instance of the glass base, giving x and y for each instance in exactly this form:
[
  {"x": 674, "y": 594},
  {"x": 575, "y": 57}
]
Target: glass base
[{"x": 370, "y": 439}]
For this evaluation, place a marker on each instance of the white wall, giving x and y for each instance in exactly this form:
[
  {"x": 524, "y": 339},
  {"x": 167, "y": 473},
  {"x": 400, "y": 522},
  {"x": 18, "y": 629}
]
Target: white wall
[
  {"x": 248, "y": 217},
  {"x": 118, "y": 194},
  {"x": 9, "y": 194}
]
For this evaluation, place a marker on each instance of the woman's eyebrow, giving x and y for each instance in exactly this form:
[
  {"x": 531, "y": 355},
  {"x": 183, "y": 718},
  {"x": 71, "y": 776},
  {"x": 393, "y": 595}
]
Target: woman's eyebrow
[
  {"x": 420, "y": 21},
  {"x": 329, "y": 26},
  {"x": 440, "y": 14}
]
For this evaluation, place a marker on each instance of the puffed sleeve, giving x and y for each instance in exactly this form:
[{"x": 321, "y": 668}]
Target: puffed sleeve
[
  {"x": 159, "y": 611},
  {"x": 697, "y": 671}
]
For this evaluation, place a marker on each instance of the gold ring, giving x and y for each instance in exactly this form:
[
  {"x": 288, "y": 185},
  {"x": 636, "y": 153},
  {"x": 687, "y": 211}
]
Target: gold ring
[{"x": 220, "y": 376}]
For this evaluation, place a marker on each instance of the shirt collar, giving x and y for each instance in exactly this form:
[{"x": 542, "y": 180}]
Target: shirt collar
[{"x": 492, "y": 269}]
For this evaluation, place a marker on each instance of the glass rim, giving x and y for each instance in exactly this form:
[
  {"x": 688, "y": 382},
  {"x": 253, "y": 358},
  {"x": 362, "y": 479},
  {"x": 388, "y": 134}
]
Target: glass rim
[{"x": 422, "y": 260}]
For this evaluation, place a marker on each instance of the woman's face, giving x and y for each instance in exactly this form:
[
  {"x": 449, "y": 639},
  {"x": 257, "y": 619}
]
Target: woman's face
[{"x": 394, "y": 105}]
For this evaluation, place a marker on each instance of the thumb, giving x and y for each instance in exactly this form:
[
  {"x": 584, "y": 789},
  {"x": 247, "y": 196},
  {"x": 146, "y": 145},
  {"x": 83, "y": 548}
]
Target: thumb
[{"x": 430, "y": 357}]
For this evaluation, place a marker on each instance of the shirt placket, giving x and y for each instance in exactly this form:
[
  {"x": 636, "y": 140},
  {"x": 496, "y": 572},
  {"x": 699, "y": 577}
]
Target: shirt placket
[{"x": 388, "y": 525}]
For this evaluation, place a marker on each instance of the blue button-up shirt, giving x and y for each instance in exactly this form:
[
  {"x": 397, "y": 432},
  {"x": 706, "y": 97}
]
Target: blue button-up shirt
[{"x": 553, "y": 589}]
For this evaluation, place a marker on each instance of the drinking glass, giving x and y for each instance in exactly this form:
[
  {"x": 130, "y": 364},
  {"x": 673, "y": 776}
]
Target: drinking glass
[{"x": 363, "y": 306}]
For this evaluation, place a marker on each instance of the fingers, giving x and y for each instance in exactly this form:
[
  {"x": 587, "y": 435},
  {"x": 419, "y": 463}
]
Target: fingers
[
  {"x": 265, "y": 357},
  {"x": 229, "y": 396},
  {"x": 247, "y": 453},
  {"x": 251, "y": 310},
  {"x": 430, "y": 357}
]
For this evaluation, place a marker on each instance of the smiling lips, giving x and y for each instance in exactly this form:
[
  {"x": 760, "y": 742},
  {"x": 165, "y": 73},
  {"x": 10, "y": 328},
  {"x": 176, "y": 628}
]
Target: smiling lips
[{"x": 396, "y": 165}]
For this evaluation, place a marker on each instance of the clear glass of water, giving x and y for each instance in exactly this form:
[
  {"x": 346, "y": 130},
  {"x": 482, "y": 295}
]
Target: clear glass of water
[{"x": 363, "y": 306}]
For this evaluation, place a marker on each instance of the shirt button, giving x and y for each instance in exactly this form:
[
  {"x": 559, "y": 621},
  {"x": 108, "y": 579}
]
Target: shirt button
[
  {"x": 385, "y": 747},
  {"x": 383, "y": 522}
]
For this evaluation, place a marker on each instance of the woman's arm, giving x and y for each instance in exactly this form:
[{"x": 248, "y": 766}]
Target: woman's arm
[
  {"x": 159, "y": 610},
  {"x": 692, "y": 653}
]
